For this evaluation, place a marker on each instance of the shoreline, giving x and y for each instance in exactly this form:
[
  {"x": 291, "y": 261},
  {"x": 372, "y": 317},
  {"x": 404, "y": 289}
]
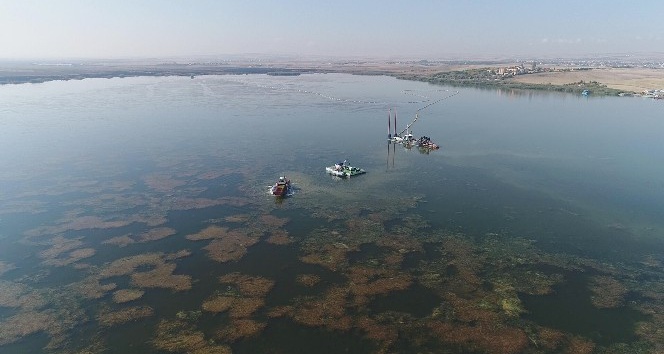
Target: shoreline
[{"x": 601, "y": 81}]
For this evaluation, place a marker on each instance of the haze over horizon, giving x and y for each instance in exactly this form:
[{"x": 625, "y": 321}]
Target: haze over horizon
[{"x": 95, "y": 29}]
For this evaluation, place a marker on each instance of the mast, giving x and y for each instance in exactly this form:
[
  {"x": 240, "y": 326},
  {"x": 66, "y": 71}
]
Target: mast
[
  {"x": 408, "y": 126},
  {"x": 395, "y": 122},
  {"x": 389, "y": 116}
]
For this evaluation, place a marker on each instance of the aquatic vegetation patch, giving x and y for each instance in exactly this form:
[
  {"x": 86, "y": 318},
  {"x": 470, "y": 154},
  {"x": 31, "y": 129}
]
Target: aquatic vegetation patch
[
  {"x": 308, "y": 280},
  {"x": 13, "y": 294},
  {"x": 329, "y": 255},
  {"x": 147, "y": 236},
  {"x": 279, "y": 237},
  {"x": 50, "y": 311},
  {"x": 244, "y": 295},
  {"x": 467, "y": 263},
  {"x": 533, "y": 281},
  {"x": 120, "y": 241},
  {"x": 238, "y": 218},
  {"x": 218, "y": 304},
  {"x": 162, "y": 183},
  {"x": 185, "y": 203},
  {"x": 244, "y": 307},
  {"x": 210, "y": 232},
  {"x": 73, "y": 257},
  {"x": 328, "y": 311},
  {"x": 23, "y": 324},
  {"x": 77, "y": 223},
  {"x": 59, "y": 245},
  {"x": 383, "y": 332},
  {"x": 92, "y": 288},
  {"x": 580, "y": 345},
  {"x": 160, "y": 276},
  {"x": 177, "y": 336},
  {"x": 239, "y": 328},
  {"x": 271, "y": 221},
  {"x": 367, "y": 282},
  {"x": 109, "y": 318},
  {"x": 231, "y": 247},
  {"x": 6, "y": 267},
  {"x": 248, "y": 285},
  {"x": 126, "y": 295},
  {"x": 226, "y": 245},
  {"x": 652, "y": 304},
  {"x": 416, "y": 301},
  {"x": 487, "y": 337},
  {"x": 156, "y": 234},
  {"x": 607, "y": 292}
]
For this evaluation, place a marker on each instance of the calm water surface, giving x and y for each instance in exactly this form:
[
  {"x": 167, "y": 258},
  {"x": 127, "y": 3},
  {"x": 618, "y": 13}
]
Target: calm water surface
[{"x": 135, "y": 218}]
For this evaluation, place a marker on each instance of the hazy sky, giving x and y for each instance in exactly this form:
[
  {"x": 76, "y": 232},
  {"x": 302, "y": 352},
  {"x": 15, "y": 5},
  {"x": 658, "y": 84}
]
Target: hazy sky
[{"x": 382, "y": 28}]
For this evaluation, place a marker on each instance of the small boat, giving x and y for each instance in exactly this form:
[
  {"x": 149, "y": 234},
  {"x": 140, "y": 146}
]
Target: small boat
[
  {"x": 343, "y": 169},
  {"x": 282, "y": 187},
  {"x": 426, "y": 143}
]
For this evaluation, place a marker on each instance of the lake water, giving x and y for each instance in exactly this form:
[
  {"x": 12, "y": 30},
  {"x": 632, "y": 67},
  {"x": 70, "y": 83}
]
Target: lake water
[{"x": 135, "y": 217}]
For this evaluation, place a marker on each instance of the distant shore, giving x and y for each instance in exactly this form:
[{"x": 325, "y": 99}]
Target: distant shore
[{"x": 606, "y": 81}]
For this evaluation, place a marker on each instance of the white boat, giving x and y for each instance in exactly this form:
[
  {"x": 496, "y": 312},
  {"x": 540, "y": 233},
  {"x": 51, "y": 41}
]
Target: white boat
[{"x": 344, "y": 170}]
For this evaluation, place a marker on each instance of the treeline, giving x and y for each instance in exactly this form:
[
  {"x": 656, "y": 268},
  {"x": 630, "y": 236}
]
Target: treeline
[{"x": 486, "y": 78}]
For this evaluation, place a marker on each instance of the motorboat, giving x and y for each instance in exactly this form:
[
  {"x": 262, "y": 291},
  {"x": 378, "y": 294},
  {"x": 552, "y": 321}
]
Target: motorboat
[
  {"x": 282, "y": 187},
  {"x": 344, "y": 170}
]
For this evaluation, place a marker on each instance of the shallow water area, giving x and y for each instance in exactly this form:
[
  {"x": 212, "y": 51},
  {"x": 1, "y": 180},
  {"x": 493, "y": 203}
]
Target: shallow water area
[{"x": 135, "y": 217}]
